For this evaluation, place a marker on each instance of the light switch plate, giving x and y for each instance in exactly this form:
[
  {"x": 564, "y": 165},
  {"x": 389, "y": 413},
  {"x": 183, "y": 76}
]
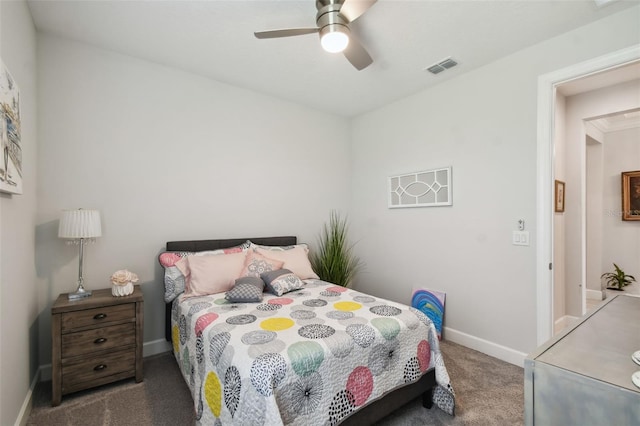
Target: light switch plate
[{"x": 520, "y": 238}]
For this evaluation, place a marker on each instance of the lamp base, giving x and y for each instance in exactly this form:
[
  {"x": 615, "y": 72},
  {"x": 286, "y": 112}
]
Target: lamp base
[{"x": 79, "y": 294}]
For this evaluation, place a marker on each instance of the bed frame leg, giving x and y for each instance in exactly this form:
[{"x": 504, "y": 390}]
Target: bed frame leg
[{"x": 427, "y": 398}]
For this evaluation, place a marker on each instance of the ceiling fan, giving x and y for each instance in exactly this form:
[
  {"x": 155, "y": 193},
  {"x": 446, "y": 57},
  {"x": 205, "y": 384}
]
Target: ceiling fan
[{"x": 332, "y": 20}]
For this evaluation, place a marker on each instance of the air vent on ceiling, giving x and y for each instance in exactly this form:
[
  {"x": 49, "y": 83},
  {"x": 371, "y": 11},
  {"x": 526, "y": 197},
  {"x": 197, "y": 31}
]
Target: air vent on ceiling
[{"x": 442, "y": 66}]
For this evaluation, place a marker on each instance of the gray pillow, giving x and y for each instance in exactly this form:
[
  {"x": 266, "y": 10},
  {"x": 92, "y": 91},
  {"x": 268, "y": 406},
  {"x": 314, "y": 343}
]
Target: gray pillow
[
  {"x": 281, "y": 281},
  {"x": 246, "y": 289}
]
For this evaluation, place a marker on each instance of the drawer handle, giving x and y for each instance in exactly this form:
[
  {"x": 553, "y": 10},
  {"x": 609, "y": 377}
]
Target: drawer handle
[
  {"x": 99, "y": 316},
  {"x": 100, "y": 367},
  {"x": 100, "y": 340}
]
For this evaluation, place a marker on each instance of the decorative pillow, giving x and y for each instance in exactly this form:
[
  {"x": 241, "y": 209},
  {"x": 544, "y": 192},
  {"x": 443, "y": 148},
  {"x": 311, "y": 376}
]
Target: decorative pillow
[
  {"x": 174, "y": 284},
  {"x": 295, "y": 258},
  {"x": 210, "y": 274},
  {"x": 255, "y": 264},
  {"x": 281, "y": 281},
  {"x": 174, "y": 281},
  {"x": 246, "y": 289}
]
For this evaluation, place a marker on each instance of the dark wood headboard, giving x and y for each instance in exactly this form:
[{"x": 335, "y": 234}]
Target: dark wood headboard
[{"x": 203, "y": 245}]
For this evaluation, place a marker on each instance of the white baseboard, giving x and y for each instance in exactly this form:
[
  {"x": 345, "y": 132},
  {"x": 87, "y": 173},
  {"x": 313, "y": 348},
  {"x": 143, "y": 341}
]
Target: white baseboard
[
  {"x": 155, "y": 347},
  {"x": 25, "y": 410},
  {"x": 564, "y": 322},
  {"x": 490, "y": 348},
  {"x": 594, "y": 295},
  {"x": 148, "y": 348}
]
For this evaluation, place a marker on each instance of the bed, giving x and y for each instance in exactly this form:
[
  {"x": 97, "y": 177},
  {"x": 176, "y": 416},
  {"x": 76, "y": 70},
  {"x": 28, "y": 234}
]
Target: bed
[{"x": 321, "y": 354}]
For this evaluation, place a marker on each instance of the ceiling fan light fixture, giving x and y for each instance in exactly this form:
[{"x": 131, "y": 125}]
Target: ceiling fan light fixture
[
  {"x": 332, "y": 25},
  {"x": 334, "y": 38}
]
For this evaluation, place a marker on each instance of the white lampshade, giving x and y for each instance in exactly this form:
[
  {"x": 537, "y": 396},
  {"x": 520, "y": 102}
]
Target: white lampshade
[
  {"x": 334, "y": 38},
  {"x": 80, "y": 223}
]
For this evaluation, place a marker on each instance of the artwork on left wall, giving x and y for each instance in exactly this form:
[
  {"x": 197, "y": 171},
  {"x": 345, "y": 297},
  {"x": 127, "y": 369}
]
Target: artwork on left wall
[{"x": 11, "y": 153}]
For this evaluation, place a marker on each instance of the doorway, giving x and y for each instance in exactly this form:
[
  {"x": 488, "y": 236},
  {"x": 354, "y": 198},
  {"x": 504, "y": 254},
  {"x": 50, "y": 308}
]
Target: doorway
[
  {"x": 547, "y": 95},
  {"x": 585, "y": 118}
]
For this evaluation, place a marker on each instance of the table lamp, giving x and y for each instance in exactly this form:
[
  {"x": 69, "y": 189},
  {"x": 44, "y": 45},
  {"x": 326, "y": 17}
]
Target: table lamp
[{"x": 78, "y": 226}]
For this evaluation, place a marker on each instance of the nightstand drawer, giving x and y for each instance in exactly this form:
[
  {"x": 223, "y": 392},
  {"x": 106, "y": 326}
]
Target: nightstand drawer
[
  {"x": 89, "y": 317},
  {"x": 84, "y": 371},
  {"x": 97, "y": 339}
]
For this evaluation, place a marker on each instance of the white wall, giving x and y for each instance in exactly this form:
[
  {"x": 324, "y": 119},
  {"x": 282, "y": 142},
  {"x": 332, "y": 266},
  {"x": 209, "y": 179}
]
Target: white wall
[
  {"x": 595, "y": 103},
  {"x": 167, "y": 155},
  {"x": 482, "y": 123},
  {"x": 18, "y": 287},
  {"x": 621, "y": 239},
  {"x": 595, "y": 210}
]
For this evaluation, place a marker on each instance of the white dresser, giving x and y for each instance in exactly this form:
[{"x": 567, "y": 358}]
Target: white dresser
[{"x": 583, "y": 375}]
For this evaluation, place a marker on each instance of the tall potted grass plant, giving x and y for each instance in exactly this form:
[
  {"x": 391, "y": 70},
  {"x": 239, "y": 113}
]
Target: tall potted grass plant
[{"x": 334, "y": 260}]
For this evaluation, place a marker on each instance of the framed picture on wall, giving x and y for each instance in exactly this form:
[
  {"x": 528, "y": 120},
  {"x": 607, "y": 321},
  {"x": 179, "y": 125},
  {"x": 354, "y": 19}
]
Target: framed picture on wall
[
  {"x": 631, "y": 195},
  {"x": 10, "y": 145},
  {"x": 559, "y": 196}
]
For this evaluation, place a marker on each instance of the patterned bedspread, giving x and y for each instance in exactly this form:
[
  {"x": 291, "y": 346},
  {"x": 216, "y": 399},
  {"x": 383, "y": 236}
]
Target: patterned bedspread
[{"x": 309, "y": 357}]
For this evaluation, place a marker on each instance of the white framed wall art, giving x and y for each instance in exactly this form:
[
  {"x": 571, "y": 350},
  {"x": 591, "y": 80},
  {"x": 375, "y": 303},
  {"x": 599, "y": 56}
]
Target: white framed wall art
[
  {"x": 429, "y": 188},
  {"x": 10, "y": 147}
]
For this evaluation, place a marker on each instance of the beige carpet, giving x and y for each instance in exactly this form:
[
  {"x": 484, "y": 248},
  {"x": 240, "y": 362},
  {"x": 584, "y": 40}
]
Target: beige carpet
[{"x": 488, "y": 392}]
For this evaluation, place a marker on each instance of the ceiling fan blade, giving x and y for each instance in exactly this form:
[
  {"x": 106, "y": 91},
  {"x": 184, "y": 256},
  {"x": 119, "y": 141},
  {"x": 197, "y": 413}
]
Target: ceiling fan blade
[
  {"x": 289, "y": 32},
  {"x": 357, "y": 55},
  {"x": 352, "y": 9}
]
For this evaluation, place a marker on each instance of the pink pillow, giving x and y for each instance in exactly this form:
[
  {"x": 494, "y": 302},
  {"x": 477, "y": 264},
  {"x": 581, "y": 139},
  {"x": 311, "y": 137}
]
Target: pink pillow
[
  {"x": 168, "y": 259},
  {"x": 295, "y": 259},
  {"x": 256, "y": 264},
  {"x": 210, "y": 274}
]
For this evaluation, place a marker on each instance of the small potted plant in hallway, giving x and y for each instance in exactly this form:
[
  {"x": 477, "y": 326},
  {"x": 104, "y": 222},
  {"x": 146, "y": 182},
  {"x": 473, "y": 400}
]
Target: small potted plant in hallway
[{"x": 618, "y": 279}]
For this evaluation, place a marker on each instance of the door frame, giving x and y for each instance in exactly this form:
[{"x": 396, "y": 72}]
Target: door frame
[{"x": 547, "y": 85}]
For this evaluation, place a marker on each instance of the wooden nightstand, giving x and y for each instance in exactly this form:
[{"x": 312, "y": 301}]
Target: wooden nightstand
[{"x": 96, "y": 340}]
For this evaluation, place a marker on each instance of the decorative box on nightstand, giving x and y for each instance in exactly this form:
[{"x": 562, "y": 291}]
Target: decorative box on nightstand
[{"x": 96, "y": 340}]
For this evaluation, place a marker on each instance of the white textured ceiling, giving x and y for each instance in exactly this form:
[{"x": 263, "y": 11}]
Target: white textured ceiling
[{"x": 215, "y": 39}]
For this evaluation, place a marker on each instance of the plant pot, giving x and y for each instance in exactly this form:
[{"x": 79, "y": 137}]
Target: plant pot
[{"x": 122, "y": 289}]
